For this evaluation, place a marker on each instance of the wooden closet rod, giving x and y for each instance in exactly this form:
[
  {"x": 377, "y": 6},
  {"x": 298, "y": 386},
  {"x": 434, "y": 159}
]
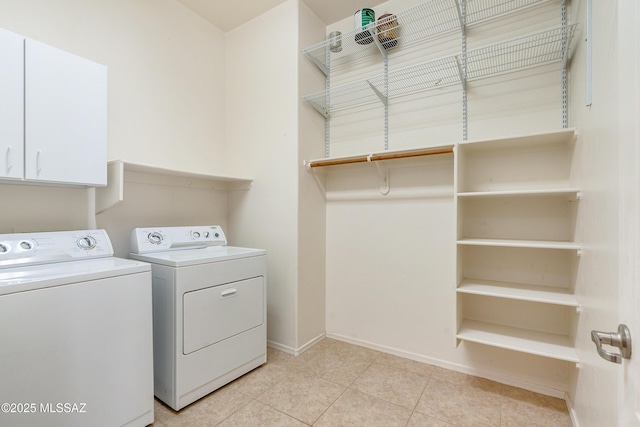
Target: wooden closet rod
[{"x": 382, "y": 156}]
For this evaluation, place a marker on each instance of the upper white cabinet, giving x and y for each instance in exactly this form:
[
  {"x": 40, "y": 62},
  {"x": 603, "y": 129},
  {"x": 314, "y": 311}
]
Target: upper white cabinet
[
  {"x": 58, "y": 107},
  {"x": 11, "y": 105},
  {"x": 65, "y": 117}
]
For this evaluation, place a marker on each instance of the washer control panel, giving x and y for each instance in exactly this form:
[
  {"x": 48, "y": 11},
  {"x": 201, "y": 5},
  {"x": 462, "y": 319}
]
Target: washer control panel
[
  {"x": 158, "y": 239},
  {"x": 54, "y": 246}
]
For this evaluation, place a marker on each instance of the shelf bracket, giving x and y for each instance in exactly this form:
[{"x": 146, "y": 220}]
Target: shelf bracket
[
  {"x": 315, "y": 177},
  {"x": 379, "y": 94},
  {"x": 113, "y": 193},
  {"x": 381, "y": 48},
  {"x": 319, "y": 108},
  {"x": 383, "y": 175},
  {"x": 318, "y": 64}
]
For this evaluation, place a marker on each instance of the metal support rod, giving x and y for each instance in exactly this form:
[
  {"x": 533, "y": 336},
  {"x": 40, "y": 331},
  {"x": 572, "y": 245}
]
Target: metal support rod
[
  {"x": 327, "y": 102},
  {"x": 565, "y": 49},
  {"x": 386, "y": 104},
  {"x": 459, "y": 8},
  {"x": 589, "y": 59},
  {"x": 461, "y": 74},
  {"x": 463, "y": 65}
]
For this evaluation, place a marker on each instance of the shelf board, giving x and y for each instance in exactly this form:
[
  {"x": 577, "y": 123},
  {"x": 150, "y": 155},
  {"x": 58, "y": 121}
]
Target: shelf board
[
  {"x": 534, "y": 244},
  {"x": 113, "y": 193},
  {"x": 559, "y": 137},
  {"x": 570, "y": 193},
  {"x": 518, "y": 291},
  {"x": 157, "y": 170},
  {"x": 522, "y": 340}
]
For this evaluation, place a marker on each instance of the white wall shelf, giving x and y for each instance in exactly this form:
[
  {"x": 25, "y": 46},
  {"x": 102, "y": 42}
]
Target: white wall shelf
[
  {"x": 567, "y": 193},
  {"x": 113, "y": 194},
  {"x": 561, "y": 137},
  {"x": 534, "y": 244},
  {"x": 527, "y": 341},
  {"x": 519, "y": 291},
  {"x": 516, "y": 208}
]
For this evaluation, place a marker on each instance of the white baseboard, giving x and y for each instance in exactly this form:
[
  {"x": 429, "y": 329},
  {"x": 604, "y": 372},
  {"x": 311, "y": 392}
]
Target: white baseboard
[
  {"x": 281, "y": 347},
  {"x": 572, "y": 413},
  {"x": 296, "y": 351}
]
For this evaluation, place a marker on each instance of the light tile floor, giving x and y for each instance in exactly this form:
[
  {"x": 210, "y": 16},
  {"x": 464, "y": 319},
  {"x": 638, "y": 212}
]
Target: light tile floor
[{"x": 339, "y": 384}]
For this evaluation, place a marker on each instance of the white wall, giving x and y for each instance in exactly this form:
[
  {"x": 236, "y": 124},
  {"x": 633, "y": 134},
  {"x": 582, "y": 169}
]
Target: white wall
[
  {"x": 311, "y": 322},
  {"x": 262, "y": 136},
  {"x": 166, "y": 103}
]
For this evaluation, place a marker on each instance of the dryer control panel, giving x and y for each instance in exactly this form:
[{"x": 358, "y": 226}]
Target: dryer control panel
[
  {"x": 159, "y": 239},
  {"x": 53, "y": 246}
]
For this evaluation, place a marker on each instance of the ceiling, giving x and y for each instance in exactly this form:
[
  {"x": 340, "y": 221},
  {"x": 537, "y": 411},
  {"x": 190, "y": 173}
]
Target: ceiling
[{"x": 228, "y": 14}]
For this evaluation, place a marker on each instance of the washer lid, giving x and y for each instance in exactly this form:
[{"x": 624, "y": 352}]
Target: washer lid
[
  {"x": 27, "y": 278},
  {"x": 185, "y": 257}
]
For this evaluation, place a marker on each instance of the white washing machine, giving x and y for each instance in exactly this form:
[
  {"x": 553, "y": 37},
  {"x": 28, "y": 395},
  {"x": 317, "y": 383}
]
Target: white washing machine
[
  {"x": 209, "y": 309},
  {"x": 75, "y": 332}
]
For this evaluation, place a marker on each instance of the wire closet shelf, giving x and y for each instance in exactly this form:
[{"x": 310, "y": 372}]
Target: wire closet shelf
[
  {"x": 416, "y": 24},
  {"x": 520, "y": 53}
]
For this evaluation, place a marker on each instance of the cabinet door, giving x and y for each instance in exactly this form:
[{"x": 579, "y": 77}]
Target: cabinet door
[
  {"x": 11, "y": 105},
  {"x": 65, "y": 117}
]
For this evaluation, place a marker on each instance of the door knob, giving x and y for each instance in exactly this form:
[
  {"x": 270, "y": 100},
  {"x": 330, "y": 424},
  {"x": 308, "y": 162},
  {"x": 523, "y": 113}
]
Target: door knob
[{"x": 622, "y": 340}]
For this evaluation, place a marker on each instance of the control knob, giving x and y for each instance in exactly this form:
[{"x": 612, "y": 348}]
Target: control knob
[
  {"x": 26, "y": 245},
  {"x": 87, "y": 242},
  {"x": 155, "y": 238}
]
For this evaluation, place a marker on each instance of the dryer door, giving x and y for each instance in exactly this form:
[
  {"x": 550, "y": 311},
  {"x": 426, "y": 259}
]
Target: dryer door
[{"x": 220, "y": 312}]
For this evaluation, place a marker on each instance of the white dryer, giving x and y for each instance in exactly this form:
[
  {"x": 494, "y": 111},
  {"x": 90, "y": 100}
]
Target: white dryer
[
  {"x": 209, "y": 309},
  {"x": 75, "y": 334}
]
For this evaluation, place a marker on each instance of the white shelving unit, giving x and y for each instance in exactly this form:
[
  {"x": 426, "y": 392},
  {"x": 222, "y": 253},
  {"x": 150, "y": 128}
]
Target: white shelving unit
[
  {"x": 415, "y": 27},
  {"x": 516, "y": 256},
  {"x": 515, "y": 199}
]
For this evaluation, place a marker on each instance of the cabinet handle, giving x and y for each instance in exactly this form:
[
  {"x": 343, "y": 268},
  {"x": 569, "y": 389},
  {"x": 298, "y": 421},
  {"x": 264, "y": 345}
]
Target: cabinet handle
[
  {"x": 228, "y": 293},
  {"x": 9, "y": 165},
  {"x": 38, "y": 167}
]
